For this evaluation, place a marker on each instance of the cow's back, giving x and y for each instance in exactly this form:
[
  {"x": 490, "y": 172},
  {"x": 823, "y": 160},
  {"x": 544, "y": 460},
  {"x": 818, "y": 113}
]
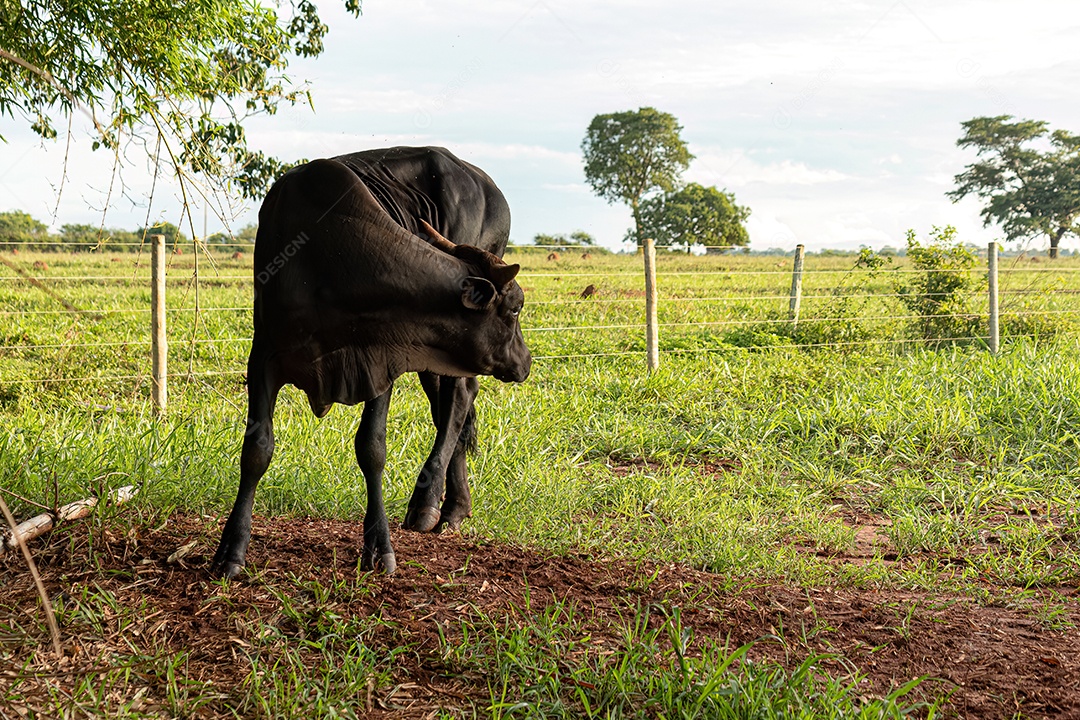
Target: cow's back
[{"x": 431, "y": 183}]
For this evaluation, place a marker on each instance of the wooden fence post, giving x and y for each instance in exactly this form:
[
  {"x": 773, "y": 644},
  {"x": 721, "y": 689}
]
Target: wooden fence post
[
  {"x": 992, "y": 283},
  {"x": 796, "y": 286},
  {"x": 159, "y": 340},
  {"x": 652, "y": 336}
]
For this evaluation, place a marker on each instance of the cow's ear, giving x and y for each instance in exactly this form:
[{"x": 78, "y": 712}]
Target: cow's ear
[
  {"x": 477, "y": 293},
  {"x": 501, "y": 275}
]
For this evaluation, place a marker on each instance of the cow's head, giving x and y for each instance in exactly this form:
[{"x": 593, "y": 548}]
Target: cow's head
[{"x": 492, "y": 299}]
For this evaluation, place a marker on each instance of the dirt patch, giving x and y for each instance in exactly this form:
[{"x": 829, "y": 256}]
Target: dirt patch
[
  {"x": 871, "y": 539},
  {"x": 997, "y": 661},
  {"x": 707, "y": 466},
  {"x": 621, "y": 467}
]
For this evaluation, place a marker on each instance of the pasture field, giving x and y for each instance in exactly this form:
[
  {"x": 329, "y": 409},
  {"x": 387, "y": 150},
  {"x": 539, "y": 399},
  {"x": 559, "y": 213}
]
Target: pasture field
[{"x": 839, "y": 520}]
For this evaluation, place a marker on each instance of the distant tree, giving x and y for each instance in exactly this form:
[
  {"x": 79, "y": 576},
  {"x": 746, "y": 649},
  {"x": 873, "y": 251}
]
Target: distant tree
[
  {"x": 173, "y": 235},
  {"x": 81, "y": 236},
  {"x": 693, "y": 214},
  {"x": 125, "y": 240},
  {"x": 1028, "y": 191},
  {"x": 186, "y": 75},
  {"x": 247, "y": 233},
  {"x": 578, "y": 237},
  {"x": 17, "y": 226},
  {"x": 79, "y": 233},
  {"x": 95, "y": 237},
  {"x": 92, "y": 237},
  {"x": 240, "y": 241},
  {"x": 630, "y": 154}
]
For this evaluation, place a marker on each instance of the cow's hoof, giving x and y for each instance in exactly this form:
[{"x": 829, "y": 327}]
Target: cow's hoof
[
  {"x": 228, "y": 571},
  {"x": 385, "y": 563},
  {"x": 423, "y": 520},
  {"x": 452, "y": 519},
  {"x": 451, "y": 524}
]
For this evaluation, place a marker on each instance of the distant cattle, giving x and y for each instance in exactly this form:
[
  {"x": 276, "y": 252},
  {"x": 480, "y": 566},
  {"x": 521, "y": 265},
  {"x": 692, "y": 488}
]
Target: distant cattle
[
  {"x": 237, "y": 255},
  {"x": 40, "y": 265},
  {"x": 588, "y": 292},
  {"x": 553, "y": 256},
  {"x": 355, "y": 286},
  {"x": 586, "y": 256}
]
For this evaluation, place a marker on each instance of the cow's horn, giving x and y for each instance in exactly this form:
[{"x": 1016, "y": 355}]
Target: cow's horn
[{"x": 435, "y": 238}]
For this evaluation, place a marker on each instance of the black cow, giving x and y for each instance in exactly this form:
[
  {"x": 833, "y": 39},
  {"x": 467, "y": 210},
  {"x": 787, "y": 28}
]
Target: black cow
[
  {"x": 430, "y": 185},
  {"x": 347, "y": 300}
]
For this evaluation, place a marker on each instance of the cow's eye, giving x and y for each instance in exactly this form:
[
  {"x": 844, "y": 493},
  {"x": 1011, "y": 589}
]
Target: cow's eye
[{"x": 515, "y": 312}]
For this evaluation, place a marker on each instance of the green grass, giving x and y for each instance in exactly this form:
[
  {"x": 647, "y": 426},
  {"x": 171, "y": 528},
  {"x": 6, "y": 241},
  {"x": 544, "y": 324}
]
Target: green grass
[
  {"x": 729, "y": 460},
  {"x": 751, "y": 458},
  {"x": 313, "y": 659},
  {"x": 652, "y": 672},
  {"x": 756, "y": 462}
]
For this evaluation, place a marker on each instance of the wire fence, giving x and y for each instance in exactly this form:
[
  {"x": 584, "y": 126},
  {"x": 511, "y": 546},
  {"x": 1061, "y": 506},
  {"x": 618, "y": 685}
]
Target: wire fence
[{"x": 576, "y": 308}]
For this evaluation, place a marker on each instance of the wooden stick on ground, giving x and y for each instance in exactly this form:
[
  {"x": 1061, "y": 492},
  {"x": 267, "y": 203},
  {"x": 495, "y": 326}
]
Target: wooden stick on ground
[
  {"x": 39, "y": 525},
  {"x": 50, "y": 616}
]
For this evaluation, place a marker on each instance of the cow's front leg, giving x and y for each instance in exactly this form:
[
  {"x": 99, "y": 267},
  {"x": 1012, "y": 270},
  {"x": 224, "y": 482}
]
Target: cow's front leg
[
  {"x": 255, "y": 457},
  {"x": 451, "y": 400},
  {"x": 378, "y": 554}
]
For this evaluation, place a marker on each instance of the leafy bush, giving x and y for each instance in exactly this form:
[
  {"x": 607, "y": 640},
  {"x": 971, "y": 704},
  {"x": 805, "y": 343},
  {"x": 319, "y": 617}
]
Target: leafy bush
[
  {"x": 939, "y": 290},
  {"x": 758, "y": 336},
  {"x": 1033, "y": 324}
]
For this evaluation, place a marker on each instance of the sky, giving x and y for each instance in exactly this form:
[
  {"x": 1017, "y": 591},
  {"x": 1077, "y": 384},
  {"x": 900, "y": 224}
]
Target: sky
[{"x": 835, "y": 123}]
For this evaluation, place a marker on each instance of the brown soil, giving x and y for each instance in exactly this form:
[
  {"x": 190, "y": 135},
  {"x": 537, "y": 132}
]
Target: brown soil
[{"x": 996, "y": 661}]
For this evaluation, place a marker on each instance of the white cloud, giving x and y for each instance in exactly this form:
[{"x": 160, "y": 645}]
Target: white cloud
[
  {"x": 573, "y": 188},
  {"x": 342, "y": 99},
  {"x": 516, "y": 151},
  {"x": 768, "y": 231},
  {"x": 738, "y": 169}
]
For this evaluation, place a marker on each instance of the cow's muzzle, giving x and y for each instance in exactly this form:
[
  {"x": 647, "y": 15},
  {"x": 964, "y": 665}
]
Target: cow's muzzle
[{"x": 517, "y": 372}]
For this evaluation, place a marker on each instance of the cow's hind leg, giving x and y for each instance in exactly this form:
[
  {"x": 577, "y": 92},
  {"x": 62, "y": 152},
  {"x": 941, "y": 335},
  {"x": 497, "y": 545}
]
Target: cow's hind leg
[
  {"x": 378, "y": 554},
  {"x": 255, "y": 457},
  {"x": 458, "y": 503},
  {"x": 451, "y": 401}
]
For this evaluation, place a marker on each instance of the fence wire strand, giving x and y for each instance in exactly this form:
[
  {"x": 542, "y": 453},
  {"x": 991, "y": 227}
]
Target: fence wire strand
[{"x": 1038, "y": 275}]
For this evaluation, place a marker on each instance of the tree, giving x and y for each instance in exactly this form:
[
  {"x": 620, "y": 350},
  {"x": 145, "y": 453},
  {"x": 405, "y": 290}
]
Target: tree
[
  {"x": 578, "y": 237},
  {"x": 82, "y": 236},
  {"x": 240, "y": 241},
  {"x": 630, "y": 154},
  {"x": 93, "y": 237},
  {"x": 1028, "y": 191},
  {"x": 173, "y": 234},
  {"x": 179, "y": 78},
  {"x": 17, "y": 226},
  {"x": 694, "y": 214}
]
